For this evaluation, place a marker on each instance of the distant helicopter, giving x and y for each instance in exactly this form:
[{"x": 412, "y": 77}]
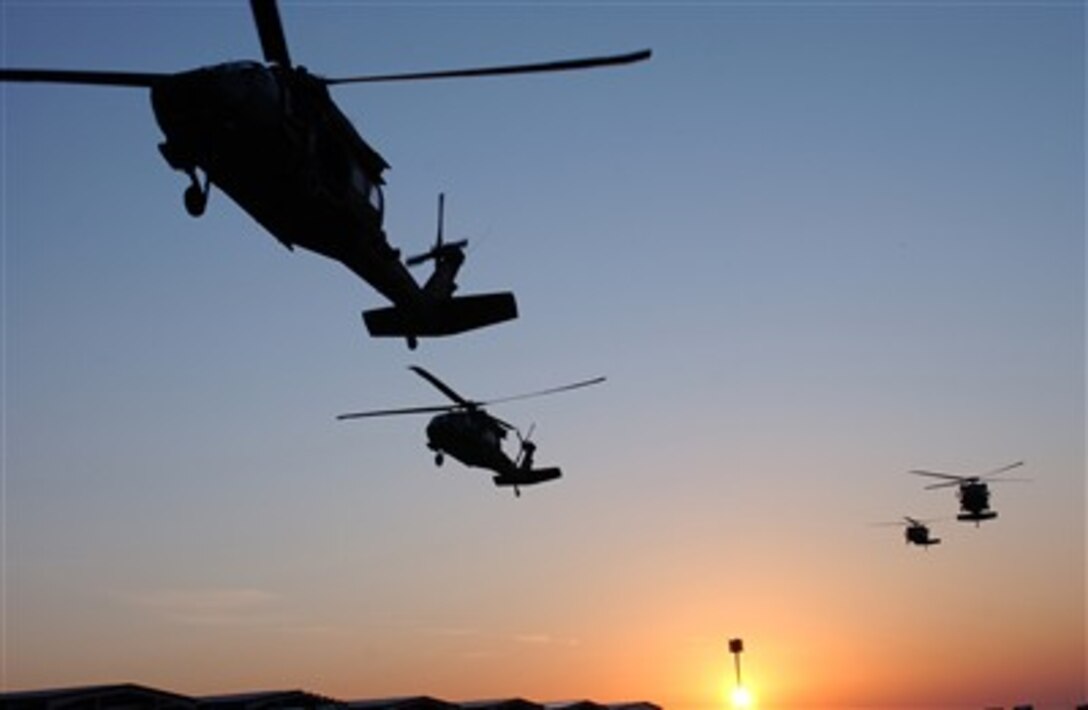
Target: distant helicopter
[
  {"x": 270, "y": 136},
  {"x": 974, "y": 493},
  {"x": 472, "y": 436},
  {"x": 915, "y": 532}
]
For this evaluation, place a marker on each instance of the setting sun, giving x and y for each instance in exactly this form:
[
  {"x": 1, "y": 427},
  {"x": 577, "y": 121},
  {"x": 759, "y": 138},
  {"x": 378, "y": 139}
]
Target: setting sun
[{"x": 741, "y": 697}]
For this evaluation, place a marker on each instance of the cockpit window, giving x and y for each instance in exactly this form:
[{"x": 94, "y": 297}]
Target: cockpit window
[
  {"x": 370, "y": 191},
  {"x": 252, "y": 78},
  {"x": 377, "y": 200}
]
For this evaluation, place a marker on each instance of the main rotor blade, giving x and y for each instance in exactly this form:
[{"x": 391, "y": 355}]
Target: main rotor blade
[
  {"x": 560, "y": 65},
  {"x": 1004, "y": 468},
  {"x": 906, "y": 521},
  {"x": 949, "y": 484},
  {"x": 270, "y": 30},
  {"x": 391, "y": 412},
  {"x": 553, "y": 390},
  {"x": 441, "y": 386},
  {"x": 141, "y": 80},
  {"x": 938, "y": 474}
]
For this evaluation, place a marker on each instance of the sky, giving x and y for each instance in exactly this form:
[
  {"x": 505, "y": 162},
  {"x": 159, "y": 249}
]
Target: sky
[{"x": 812, "y": 246}]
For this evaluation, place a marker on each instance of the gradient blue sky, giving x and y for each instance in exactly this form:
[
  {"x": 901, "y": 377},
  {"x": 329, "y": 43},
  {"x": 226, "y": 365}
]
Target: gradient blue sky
[{"x": 812, "y": 246}]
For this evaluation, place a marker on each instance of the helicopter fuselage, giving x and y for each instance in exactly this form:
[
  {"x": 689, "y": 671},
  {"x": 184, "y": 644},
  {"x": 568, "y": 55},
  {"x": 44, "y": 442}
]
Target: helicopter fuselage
[
  {"x": 274, "y": 141},
  {"x": 975, "y": 502},
  {"x": 917, "y": 534},
  {"x": 472, "y": 437}
]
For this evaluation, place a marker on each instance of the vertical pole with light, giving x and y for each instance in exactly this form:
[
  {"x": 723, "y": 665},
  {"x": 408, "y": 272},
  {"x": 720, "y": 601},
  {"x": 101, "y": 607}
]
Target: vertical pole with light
[
  {"x": 735, "y": 647},
  {"x": 741, "y": 697}
]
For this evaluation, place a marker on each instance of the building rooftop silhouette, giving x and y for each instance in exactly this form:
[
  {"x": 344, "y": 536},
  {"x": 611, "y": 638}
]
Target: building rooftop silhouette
[{"x": 132, "y": 696}]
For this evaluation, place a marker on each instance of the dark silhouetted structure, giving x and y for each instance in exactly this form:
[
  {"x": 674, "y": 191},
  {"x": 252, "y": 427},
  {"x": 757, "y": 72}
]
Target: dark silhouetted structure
[
  {"x": 270, "y": 700},
  {"x": 130, "y": 696},
  {"x": 576, "y": 705},
  {"x": 501, "y": 704},
  {"x": 409, "y": 702},
  {"x": 640, "y": 705}
]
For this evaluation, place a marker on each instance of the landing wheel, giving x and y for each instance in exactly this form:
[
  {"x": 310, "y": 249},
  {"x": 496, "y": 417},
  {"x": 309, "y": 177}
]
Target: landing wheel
[
  {"x": 196, "y": 195},
  {"x": 196, "y": 200},
  {"x": 439, "y": 459}
]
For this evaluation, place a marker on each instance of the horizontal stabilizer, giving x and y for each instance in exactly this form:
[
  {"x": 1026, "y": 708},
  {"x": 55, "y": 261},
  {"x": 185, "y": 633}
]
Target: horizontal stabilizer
[
  {"x": 528, "y": 478},
  {"x": 969, "y": 517},
  {"x": 444, "y": 317}
]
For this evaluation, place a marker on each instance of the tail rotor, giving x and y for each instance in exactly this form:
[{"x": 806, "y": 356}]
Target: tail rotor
[
  {"x": 441, "y": 249},
  {"x": 528, "y": 448}
]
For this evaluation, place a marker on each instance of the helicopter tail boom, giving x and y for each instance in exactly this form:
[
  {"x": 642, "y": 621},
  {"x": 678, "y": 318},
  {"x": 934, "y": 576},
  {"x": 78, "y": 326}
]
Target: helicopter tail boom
[{"x": 447, "y": 316}]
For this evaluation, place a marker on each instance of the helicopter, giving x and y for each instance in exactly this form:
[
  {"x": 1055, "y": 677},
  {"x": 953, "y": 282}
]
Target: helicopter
[
  {"x": 465, "y": 431},
  {"x": 270, "y": 136},
  {"x": 915, "y": 532},
  {"x": 974, "y": 491}
]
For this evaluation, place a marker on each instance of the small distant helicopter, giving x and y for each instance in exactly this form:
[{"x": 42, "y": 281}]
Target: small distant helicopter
[
  {"x": 465, "y": 431},
  {"x": 974, "y": 491},
  {"x": 915, "y": 532},
  {"x": 271, "y": 137}
]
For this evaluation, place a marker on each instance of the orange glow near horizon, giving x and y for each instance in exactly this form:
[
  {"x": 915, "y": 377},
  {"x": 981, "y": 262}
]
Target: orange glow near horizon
[{"x": 741, "y": 697}]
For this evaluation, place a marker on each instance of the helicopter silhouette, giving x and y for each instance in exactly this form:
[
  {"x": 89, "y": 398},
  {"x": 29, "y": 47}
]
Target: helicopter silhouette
[
  {"x": 915, "y": 532},
  {"x": 270, "y": 136},
  {"x": 974, "y": 491},
  {"x": 465, "y": 431}
]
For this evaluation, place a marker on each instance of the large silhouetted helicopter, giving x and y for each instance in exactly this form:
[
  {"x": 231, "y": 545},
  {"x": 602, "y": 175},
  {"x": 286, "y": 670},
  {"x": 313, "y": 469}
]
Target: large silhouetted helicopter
[
  {"x": 270, "y": 136},
  {"x": 974, "y": 491},
  {"x": 472, "y": 436}
]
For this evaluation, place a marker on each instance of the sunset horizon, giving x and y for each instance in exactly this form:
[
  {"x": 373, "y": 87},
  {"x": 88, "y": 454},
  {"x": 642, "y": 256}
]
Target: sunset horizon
[{"x": 822, "y": 262}]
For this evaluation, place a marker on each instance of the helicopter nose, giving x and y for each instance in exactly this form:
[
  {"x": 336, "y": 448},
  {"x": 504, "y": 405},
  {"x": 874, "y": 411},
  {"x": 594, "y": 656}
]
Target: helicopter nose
[
  {"x": 219, "y": 98},
  {"x": 183, "y": 100}
]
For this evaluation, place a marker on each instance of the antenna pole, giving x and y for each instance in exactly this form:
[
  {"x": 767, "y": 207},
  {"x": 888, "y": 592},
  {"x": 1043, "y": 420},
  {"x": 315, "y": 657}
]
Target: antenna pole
[
  {"x": 735, "y": 647},
  {"x": 441, "y": 214}
]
